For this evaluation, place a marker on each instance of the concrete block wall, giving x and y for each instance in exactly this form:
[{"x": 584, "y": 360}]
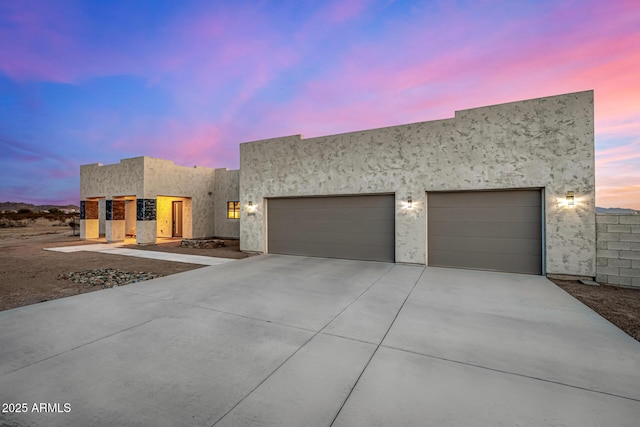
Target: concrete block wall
[{"x": 618, "y": 249}]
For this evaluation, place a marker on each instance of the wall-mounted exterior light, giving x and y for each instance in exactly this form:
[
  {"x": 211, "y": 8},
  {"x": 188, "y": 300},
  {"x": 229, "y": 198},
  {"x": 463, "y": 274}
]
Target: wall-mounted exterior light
[
  {"x": 251, "y": 207},
  {"x": 571, "y": 199},
  {"x": 409, "y": 203}
]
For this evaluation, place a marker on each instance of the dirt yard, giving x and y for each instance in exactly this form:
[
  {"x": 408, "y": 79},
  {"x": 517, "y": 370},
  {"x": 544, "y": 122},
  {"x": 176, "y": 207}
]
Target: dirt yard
[
  {"x": 29, "y": 274},
  {"x": 620, "y": 306}
]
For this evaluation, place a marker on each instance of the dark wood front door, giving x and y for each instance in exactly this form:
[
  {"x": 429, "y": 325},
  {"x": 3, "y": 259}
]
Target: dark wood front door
[{"x": 176, "y": 219}]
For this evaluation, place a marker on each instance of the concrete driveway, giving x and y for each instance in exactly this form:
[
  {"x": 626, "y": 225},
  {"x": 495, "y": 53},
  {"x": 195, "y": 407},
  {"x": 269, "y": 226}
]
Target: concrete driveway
[{"x": 291, "y": 341}]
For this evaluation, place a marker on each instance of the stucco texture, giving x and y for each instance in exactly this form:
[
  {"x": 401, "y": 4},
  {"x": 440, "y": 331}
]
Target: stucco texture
[
  {"x": 543, "y": 143},
  {"x": 226, "y": 189},
  {"x": 164, "y": 178},
  {"x": 120, "y": 179}
]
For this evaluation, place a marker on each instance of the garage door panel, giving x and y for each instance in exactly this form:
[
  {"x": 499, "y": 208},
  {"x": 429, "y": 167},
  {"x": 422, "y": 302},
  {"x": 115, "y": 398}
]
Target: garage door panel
[
  {"x": 488, "y": 230},
  {"x": 485, "y": 245},
  {"x": 337, "y": 214},
  {"x": 329, "y": 250},
  {"x": 339, "y": 202},
  {"x": 333, "y": 227},
  {"x": 486, "y": 261},
  {"x": 352, "y": 227},
  {"x": 292, "y": 236},
  {"x": 325, "y": 210},
  {"x": 468, "y": 199},
  {"x": 328, "y": 227},
  {"x": 486, "y": 214}
]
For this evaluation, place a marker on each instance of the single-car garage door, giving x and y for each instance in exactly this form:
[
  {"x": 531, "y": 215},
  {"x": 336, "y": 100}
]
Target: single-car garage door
[
  {"x": 350, "y": 227},
  {"x": 486, "y": 230}
]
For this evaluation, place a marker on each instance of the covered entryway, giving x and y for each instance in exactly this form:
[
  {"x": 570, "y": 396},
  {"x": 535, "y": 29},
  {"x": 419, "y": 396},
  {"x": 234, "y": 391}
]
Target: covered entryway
[
  {"x": 350, "y": 227},
  {"x": 486, "y": 230},
  {"x": 174, "y": 217}
]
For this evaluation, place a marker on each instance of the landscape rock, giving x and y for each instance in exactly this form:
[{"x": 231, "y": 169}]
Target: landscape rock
[
  {"x": 202, "y": 243},
  {"x": 107, "y": 277}
]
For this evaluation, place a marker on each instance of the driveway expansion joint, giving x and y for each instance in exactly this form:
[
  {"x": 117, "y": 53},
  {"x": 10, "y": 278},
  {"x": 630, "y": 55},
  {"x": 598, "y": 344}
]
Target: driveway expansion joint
[
  {"x": 79, "y": 346},
  {"x": 215, "y": 310},
  {"x": 347, "y": 338},
  {"x": 444, "y": 359},
  {"x": 377, "y": 347},
  {"x": 318, "y": 332}
]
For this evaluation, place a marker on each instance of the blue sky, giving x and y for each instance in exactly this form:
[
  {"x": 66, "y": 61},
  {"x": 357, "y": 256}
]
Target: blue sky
[{"x": 96, "y": 81}]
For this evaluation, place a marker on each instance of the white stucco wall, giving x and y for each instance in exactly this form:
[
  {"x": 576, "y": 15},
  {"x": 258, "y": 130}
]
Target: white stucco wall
[
  {"x": 89, "y": 229},
  {"x": 164, "y": 178},
  {"x": 541, "y": 143},
  {"x": 115, "y": 230},
  {"x": 120, "y": 179},
  {"x": 226, "y": 189}
]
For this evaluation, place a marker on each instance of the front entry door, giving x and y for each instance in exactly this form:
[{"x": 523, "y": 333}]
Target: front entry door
[{"x": 176, "y": 218}]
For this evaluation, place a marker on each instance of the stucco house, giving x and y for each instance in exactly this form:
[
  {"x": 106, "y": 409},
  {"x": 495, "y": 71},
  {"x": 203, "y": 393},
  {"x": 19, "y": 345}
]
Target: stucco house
[
  {"x": 508, "y": 187},
  {"x": 148, "y": 198}
]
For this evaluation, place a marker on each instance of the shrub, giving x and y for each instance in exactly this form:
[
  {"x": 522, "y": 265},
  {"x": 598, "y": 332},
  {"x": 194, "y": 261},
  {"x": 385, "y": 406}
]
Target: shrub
[{"x": 74, "y": 224}]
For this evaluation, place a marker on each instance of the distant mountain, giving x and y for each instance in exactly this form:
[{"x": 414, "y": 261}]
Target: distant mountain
[
  {"x": 616, "y": 210},
  {"x": 15, "y": 206}
]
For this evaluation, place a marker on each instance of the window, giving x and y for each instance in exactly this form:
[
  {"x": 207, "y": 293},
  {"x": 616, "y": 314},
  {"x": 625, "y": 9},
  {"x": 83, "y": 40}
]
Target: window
[{"x": 233, "y": 210}]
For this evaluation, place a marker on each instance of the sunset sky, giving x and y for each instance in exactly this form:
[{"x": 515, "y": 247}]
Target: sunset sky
[{"x": 97, "y": 81}]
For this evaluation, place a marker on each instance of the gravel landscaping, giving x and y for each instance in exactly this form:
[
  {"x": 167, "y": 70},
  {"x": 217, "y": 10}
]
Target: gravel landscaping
[
  {"x": 29, "y": 274},
  {"x": 107, "y": 277}
]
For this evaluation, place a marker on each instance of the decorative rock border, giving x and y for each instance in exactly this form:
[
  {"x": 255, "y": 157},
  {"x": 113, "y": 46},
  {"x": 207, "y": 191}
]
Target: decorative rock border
[
  {"x": 107, "y": 277},
  {"x": 202, "y": 243}
]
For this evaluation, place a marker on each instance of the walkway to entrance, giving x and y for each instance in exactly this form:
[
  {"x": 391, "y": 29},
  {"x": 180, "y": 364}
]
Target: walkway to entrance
[{"x": 117, "y": 249}]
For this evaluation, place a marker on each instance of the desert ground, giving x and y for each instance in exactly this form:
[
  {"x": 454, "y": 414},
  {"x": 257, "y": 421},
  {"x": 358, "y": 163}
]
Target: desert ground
[{"x": 29, "y": 274}]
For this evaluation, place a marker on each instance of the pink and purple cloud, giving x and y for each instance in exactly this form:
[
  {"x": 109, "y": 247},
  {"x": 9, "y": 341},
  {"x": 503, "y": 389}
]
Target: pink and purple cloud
[{"x": 84, "y": 82}]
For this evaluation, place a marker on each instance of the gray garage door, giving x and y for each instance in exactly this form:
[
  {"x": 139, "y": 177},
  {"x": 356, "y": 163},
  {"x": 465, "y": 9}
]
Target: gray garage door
[
  {"x": 351, "y": 227},
  {"x": 486, "y": 230}
]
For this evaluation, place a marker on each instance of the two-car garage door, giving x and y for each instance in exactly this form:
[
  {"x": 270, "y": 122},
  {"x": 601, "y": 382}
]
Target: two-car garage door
[
  {"x": 485, "y": 230},
  {"x": 350, "y": 227}
]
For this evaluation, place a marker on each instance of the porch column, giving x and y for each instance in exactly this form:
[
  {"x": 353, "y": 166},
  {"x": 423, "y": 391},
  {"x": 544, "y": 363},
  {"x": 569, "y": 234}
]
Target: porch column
[
  {"x": 114, "y": 228},
  {"x": 146, "y": 225},
  {"x": 89, "y": 226}
]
